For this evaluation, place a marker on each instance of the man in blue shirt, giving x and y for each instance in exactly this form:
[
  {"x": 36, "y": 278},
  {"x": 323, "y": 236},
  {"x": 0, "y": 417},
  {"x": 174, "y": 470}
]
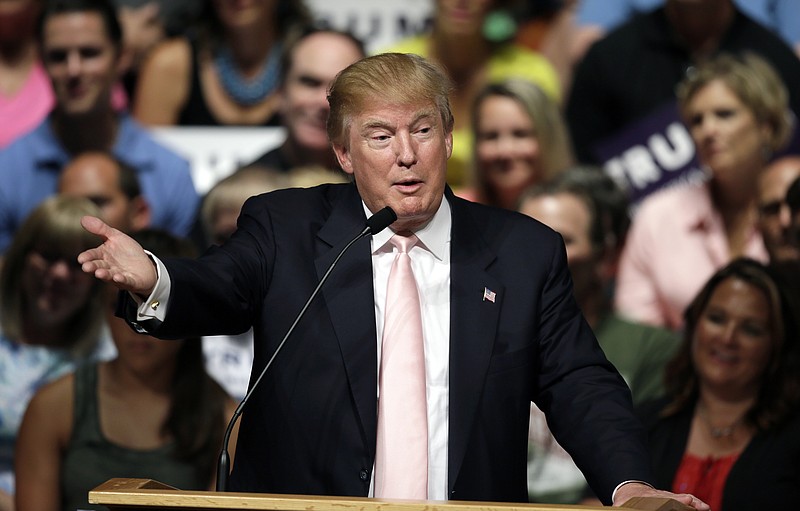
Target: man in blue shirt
[{"x": 80, "y": 44}]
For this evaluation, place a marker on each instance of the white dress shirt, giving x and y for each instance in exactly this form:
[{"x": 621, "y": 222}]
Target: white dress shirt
[{"x": 430, "y": 261}]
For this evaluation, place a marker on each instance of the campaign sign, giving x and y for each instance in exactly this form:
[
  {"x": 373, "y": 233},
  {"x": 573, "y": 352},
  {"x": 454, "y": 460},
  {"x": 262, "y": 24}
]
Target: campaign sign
[{"x": 650, "y": 153}]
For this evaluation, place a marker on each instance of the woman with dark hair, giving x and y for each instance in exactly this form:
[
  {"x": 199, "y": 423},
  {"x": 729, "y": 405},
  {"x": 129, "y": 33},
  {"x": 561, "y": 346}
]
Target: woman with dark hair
[
  {"x": 729, "y": 429},
  {"x": 226, "y": 74},
  {"x": 152, "y": 412}
]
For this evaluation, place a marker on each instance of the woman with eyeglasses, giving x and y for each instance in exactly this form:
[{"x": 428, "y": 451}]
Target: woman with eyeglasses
[
  {"x": 151, "y": 412},
  {"x": 50, "y": 314}
]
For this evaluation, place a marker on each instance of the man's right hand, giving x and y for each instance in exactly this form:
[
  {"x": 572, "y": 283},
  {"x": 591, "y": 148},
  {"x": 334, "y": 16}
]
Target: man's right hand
[{"x": 119, "y": 259}]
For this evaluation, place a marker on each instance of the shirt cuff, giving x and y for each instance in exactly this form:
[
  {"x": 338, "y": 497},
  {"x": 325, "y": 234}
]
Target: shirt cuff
[
  {"x": 155, "y": 305},
  {"x": 623, "y": 483}
]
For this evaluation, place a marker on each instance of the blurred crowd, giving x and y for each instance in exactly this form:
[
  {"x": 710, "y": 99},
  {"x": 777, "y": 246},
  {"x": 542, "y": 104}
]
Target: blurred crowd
[{"x": 689, "y": 276}]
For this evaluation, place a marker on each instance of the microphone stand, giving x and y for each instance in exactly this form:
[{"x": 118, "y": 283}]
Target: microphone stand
[{"x": 376, "y": 223}]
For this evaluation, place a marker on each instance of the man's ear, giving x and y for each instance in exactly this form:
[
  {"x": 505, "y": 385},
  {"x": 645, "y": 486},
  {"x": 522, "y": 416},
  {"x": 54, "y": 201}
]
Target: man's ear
[
  {"x": 343, "y": 157},
  {"x": 448, "y": 141},
  {"x": 140, "y": 213}
]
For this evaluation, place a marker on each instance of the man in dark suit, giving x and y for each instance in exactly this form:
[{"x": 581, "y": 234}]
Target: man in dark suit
[{"x": 500, "y": 325}]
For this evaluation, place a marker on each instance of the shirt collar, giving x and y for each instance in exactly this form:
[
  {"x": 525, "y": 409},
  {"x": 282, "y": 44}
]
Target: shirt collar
[
  {"x": 129, "y": 142},
  {"x": 435, "y": 235},
  {"x": 48, "y": 149}
]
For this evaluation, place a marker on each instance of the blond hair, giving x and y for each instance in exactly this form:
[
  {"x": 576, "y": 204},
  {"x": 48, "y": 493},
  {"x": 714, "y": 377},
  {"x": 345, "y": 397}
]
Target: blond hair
[
  {"x": 754, "y": 81},
  {"x": 397, "y": 78},
  {"x": 545, "y": 115},
  {"x": 54, "y": 226},
  {"x": 235, "y": 189}
]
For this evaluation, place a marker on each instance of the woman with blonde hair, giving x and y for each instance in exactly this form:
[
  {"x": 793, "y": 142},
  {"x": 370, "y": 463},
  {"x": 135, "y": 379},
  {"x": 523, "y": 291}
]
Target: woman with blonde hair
[
  {"x": 50, "y": 313},
  {"x": 736, "y": 109},
  {"x": 464, "y": 40},
  {"x": 152, "y": 412},
  {"x": 520, "y": 140}
]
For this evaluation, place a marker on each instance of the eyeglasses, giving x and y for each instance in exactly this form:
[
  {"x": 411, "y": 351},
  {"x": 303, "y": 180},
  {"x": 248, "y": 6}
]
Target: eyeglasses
[
  {"x": 46, "y": 260},
  {"x": 772, "y": 208}
]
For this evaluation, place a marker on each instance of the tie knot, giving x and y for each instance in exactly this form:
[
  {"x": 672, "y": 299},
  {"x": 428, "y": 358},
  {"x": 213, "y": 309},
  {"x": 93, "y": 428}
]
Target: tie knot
[{"x": 404, "y": 241}]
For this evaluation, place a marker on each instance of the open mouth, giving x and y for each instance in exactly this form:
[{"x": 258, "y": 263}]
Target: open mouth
[{"x": 408, "y": 185}]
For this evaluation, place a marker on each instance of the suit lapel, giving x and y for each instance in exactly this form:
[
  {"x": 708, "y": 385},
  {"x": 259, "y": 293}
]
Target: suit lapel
[
  {"x": 473, "y": 324},
  {"x": 349, "y": 297}
]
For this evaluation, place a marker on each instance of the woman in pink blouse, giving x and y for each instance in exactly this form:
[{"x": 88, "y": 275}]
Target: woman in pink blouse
[{"x": 736, "y": 110}]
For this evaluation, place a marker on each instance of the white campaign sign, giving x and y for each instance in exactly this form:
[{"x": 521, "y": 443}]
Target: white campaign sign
[
  {"x": 214, "y": 152},
  {"x": 377, "y": 23}
]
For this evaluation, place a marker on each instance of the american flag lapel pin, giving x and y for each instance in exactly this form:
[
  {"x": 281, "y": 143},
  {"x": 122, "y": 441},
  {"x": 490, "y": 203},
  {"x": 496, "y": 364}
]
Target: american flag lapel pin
[{"x": 489, "y": 295}]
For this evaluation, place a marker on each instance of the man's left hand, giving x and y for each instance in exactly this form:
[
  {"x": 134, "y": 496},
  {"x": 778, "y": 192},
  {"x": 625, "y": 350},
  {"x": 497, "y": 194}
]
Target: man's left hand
[{"x": 631, "y": 490}]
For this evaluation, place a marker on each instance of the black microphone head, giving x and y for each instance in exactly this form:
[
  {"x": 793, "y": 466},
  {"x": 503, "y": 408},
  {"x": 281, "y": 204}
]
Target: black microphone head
[{"x": 381, "y": 220}]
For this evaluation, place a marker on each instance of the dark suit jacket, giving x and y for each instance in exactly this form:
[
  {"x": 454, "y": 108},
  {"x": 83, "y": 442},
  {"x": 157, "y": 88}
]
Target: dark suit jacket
[
  {"x": 311, "y": 424},
  {"x": 765, "y": 476}
]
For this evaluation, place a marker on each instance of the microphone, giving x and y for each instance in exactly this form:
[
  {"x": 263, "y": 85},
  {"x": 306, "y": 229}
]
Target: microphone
[{"x": 375, "y": 224}]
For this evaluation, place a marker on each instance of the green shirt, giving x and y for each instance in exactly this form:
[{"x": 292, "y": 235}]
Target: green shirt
[
  {"x": 91, "y": 459},
  {"x": 639, "y": 352}
]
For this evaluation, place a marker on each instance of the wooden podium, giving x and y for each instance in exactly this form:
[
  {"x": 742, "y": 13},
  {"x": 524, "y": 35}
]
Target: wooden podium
[{"x": 148, "y": 495}]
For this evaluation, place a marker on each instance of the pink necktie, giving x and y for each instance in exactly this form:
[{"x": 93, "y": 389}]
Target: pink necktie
[{"x": 401, "y": 457}]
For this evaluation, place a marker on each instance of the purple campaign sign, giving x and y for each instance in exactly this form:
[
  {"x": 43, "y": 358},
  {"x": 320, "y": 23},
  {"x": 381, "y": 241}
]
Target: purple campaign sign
[{"x": 651, "y": 152}]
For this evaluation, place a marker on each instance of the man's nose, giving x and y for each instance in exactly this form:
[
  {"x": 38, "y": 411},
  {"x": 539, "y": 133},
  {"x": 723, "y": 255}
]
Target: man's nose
[
  {"x": 74, "y": 63},
  {"x": 405, "y": 150},
  {"x": 785, "y": 216}
]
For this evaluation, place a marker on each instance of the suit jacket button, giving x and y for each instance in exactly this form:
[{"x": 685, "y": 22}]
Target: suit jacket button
[{"x": 364, "y": 475}]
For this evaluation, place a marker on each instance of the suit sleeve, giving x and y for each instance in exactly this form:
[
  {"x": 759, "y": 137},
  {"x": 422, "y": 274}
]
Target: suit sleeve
[
  {"x": 221, "y": 292},
  {"x": 587, "y": 403}
]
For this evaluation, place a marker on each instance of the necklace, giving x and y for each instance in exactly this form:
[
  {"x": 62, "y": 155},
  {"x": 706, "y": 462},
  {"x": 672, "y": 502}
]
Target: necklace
[
  {"x": 724, "y": 431},
  {"x": 719, "y": 432},
  {"x": 246, "y": 91}
]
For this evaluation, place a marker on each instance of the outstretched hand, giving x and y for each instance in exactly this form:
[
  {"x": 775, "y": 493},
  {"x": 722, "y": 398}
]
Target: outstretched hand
[
  {"x": 631, "y": 490},
  {"x": 119, "y": 259}
]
